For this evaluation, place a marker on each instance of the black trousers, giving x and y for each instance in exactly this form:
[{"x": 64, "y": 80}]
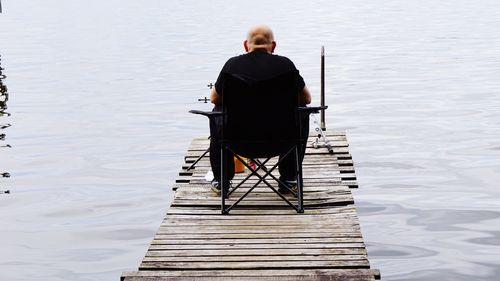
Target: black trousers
[{"x": 287, "y": 168}]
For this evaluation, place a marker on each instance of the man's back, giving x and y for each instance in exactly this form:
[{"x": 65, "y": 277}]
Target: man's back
[{"x": 258, "y": 65}]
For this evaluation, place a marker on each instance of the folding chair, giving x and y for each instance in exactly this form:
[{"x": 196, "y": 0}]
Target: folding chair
[{"x": 261, "y": 119}]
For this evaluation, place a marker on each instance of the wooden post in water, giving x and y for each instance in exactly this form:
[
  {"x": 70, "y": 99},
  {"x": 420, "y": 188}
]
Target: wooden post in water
[{"x": 323, "y": 125}]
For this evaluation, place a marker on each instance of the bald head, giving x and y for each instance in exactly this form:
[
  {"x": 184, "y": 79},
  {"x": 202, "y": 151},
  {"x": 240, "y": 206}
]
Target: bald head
[{"x": 260, "y": 37}]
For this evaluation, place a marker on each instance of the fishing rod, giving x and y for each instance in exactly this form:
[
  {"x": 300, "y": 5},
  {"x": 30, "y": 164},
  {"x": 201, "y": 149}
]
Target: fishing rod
[
  {"x": 204, "y": 100},
  {"x": 321, "y": 140}
]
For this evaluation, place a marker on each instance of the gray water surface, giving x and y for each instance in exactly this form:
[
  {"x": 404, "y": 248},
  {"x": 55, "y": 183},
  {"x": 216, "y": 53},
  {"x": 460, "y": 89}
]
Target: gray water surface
[{"x": 99, "y": 94}]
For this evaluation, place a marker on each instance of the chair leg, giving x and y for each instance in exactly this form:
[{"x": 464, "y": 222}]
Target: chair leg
[
  {"x": 223, "y": 175},
  {"x": 198, "y": 160},
  {"x": 300, "y": 182}
]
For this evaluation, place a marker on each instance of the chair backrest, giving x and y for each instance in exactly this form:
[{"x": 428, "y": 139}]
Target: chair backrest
[{"x": 260, "y": 116}]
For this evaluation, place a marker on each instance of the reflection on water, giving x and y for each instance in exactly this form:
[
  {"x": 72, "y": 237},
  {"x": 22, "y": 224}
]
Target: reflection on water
[{"x": 4, "y": 97}]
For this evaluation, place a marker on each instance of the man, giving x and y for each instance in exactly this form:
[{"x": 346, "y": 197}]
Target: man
[{"x": 258, "y": 63}]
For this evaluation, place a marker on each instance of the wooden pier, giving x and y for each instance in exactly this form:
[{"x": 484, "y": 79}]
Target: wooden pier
[{"x": 263, "y": 239}]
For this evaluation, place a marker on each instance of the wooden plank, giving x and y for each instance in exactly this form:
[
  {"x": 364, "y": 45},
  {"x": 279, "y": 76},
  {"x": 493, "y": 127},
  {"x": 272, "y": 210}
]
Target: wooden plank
[
  {"x": 264, "y": 204},
  {"x": 254, "y": 273},
  {"x": 325, "y": 225},
  {"x": 266, "y": 219},
  {"x": 340, "y": 182},
  {"x": 324, "y": 189},
  {"x": 340, "y": 172},
  {"x": 269, "y": 195},
  {"x": 331, "y": 190},
  {"x": 277, "y": 222},
  {"x": 158, "y": 251},
  {"x": 259, "y": 212},
  {"x": 243, "y": 214},
  {"x": 310, "y": 171},
  {"x": 258, "y": 258},
  {"x": 313, "y": 275},
  {"x": 265, "y": 197},
  {"x": 268, "y": 246},
  {"x": 274, "y": 278},
  {"x": 307, "y": 181},
  {"x": 253, "y": 229},
  {"x": 165, "y": 240},
  {"x": 204, "y": 189},
  {"x": 254, "y": 265},
  {"x": 277, "y": 235}
]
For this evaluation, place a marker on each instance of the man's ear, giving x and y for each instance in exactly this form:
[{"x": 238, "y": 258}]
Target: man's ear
[
  {"x": 273, "y": 47},
  {"x": 245, "y": 44}
]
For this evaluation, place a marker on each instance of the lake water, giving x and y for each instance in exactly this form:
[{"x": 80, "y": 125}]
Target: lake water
[{"x": 99, "y": 93}]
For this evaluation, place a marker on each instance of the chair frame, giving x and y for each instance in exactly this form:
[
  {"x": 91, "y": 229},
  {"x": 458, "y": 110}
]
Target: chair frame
[{"x": 268, "y": 173}]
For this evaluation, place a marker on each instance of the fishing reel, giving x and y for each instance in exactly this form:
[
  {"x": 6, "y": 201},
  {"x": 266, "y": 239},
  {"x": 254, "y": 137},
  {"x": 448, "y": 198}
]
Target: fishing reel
[{"x": 321, "y": 141}]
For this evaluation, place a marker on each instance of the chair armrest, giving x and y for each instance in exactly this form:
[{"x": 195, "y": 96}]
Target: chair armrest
[
  {"x": 312, "y": 109},
  {"x": 208, "y": 114}
]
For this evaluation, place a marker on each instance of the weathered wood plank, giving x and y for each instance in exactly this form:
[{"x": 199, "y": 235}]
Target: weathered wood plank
[
  {"x": 268, "y": 246},
  {"x": 255, "y": 273},
  {"x": 264, "y": 204},
  {"x": 277, "y": 222},
  {"x": 255, "y": 265},
  {"x": 257, "y": 258},
  {"x": 254, "y": 252},
  {"x": 253, "y": 229},
  {"x": 274, "y": 278},
  {"x": 260, "y": 191},
  {"x": 267, "y": 220},
  {"x": 251, "y": 275},
  {"x": 308, "y": 182},
  {"x": 165, "y": 240},
  {"x": 260, "y": 212},
  {"x": 310, "y": 172},
  {"x": 266, "y": 197},
  {"x": 265, "y": 235}
]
